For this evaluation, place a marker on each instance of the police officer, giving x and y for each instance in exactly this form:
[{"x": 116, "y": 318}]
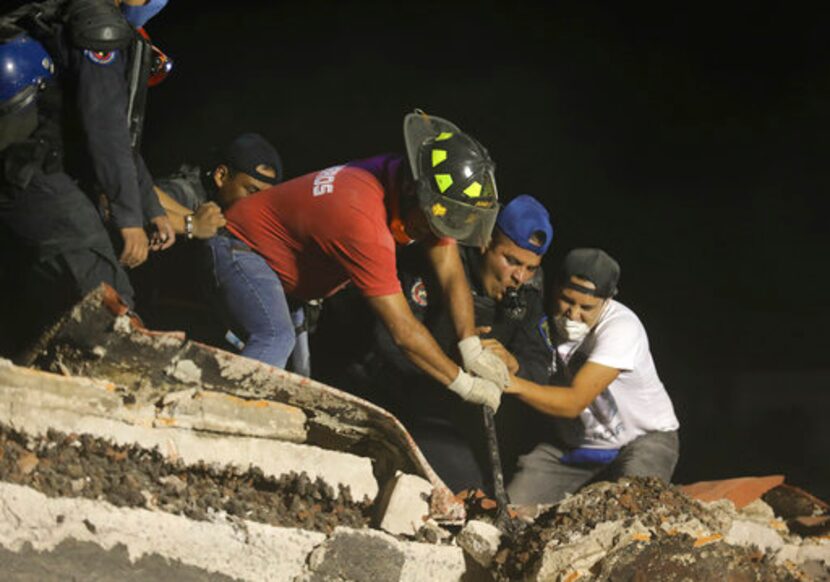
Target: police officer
[{"x": 82, "y": 138}]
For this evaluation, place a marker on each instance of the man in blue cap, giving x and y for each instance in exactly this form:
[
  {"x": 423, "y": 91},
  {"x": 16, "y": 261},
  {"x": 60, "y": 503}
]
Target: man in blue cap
[{"x": 506, "y": 282}]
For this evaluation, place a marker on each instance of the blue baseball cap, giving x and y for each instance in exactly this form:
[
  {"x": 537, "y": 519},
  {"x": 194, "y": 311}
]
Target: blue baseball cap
[{"x": 523, "y": 218}]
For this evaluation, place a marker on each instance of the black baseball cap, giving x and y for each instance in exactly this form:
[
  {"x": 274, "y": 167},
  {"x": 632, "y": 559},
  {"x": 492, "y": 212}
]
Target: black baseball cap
[
  {"x": 250, "y": 150},
  {"x": 594, "y": 265}
]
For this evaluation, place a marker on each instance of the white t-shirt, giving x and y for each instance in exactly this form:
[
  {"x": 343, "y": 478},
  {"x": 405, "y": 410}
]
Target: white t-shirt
[{"x": 636, "y": 402}]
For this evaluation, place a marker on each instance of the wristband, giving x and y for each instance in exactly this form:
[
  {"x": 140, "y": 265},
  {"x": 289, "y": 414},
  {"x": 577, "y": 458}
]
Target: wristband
[{"x": 188, "y": 226}]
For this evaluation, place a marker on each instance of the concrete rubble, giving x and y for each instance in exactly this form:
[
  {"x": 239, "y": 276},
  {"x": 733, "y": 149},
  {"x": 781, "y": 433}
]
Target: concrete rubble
[
  {"x": 481, "y": 540},
  {"x": 127, "y": 454},
  {"x": 614, "y": 530},
  {"x": 405, "y": 507}
]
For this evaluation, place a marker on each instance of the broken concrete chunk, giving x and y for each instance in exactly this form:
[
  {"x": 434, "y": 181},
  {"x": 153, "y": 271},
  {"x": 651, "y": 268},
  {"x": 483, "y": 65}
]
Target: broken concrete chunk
[
  {"x": 480, "y": 540},
  {"x": 185, "y": 371},
  {"x": 815, "y": 551},
  {"x": 759, "y": 511},
  {"x": 121, "y": 324},
  {"x": 721, "y": 513},
  {"x": 750, "y": 533},
  {"x": 432, "y": 533},
  {"x": 572, "y": 560},
  {"x": 405, "y": 504},
  {"x": 372, "y": 555}
]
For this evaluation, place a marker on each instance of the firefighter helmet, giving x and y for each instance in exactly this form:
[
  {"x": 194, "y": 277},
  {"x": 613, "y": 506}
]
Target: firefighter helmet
[{"x": 455, "y": 179}]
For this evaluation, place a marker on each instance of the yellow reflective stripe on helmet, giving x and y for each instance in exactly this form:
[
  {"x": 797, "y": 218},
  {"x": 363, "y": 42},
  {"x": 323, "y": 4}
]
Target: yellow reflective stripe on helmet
[
  {"x": 444, "y": 181},
  {"x": 444, "y": 135},
  {"x": 438, "y": 209},
  {"x": 438, "y": 156},
  {"x": 473, "y": 190}
]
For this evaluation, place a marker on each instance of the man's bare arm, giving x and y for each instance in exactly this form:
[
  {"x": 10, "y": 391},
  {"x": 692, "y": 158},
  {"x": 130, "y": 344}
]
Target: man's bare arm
[
  {"x": 568, "y": 402},
  {"x": 420, "y": 347},
  {"x": 452, "y": 279},
  {"x": 175, "y": 211},
  {"x": 413, "y": 338},
  {"x": 206, "y": 220}
]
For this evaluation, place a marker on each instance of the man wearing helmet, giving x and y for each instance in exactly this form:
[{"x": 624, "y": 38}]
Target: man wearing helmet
[{"x": 312, "y": 235}]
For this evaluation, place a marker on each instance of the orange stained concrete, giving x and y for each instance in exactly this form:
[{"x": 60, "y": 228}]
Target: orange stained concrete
[{"x": 741, "y": 491}]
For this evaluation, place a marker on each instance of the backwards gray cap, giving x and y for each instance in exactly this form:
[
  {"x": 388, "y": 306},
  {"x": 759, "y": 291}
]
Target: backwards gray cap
[{"x": 594, "y": 265}]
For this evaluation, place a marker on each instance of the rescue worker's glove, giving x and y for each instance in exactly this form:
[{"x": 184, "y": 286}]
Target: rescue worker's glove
[
  {"x": 476, "y": 390},
  {"x": 483, "y": 362}
]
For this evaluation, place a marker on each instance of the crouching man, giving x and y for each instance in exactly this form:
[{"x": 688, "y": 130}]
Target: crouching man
[{"x": 613, "y": 416}]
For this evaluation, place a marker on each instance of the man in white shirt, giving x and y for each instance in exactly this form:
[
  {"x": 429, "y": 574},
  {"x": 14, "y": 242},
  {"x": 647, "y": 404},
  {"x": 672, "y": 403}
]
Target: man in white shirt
[{"x": 613, "y": 416}]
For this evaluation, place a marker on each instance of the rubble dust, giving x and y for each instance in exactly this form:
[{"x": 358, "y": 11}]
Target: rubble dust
[{"x": 61, "y": 465}]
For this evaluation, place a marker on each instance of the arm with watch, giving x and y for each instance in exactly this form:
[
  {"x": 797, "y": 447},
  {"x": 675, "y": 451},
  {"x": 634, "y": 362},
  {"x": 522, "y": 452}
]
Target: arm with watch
[{"x": 203, "y": 223}]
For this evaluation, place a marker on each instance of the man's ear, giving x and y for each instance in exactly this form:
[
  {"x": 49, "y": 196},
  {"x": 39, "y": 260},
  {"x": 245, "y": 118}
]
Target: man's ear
[{"x": 220, "y": 174}]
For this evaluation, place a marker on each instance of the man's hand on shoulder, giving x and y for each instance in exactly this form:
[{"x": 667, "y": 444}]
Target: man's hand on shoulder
[{"x": 483, "y": 362}]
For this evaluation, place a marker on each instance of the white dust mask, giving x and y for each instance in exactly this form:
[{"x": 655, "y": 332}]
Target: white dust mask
[{"x": 573, "y": 330}]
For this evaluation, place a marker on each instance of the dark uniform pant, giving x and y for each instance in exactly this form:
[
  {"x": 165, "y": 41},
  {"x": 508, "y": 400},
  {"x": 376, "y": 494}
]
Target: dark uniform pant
[{"x": 59, "y": 251}]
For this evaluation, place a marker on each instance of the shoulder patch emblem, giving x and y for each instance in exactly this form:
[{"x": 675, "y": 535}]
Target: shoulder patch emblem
[
  {"x": 544, "y": 331},
  {"x": 100, "y": 57},
  {"x": 418, "y": 292}
]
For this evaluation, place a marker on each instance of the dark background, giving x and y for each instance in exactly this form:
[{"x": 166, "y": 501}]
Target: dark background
[{"x": 689, "y": 143}]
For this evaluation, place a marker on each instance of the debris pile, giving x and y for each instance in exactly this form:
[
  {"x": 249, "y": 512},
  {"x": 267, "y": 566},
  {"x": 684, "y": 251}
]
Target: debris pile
[
  {"x": 61, "y": 465},
  {"x": 643, "y": 527}
]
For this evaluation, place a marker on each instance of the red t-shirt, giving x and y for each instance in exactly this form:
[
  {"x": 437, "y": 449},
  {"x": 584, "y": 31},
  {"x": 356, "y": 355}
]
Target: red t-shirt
[{"x": 320, "y": 231}]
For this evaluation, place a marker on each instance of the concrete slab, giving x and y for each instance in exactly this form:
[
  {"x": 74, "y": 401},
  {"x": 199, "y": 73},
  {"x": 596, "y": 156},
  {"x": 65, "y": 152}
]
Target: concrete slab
[
  {"x": 97, "y": 339},
  {"x": 372, "y": 556},
  {"x": 35, "y": 401},
  {"x": 224, "y": 413},
  {"x": 241, "y": 550}
]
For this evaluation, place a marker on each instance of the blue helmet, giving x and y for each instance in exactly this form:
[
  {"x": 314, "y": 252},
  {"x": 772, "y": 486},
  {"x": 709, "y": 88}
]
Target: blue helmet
[{"x": 25, "y": 66}]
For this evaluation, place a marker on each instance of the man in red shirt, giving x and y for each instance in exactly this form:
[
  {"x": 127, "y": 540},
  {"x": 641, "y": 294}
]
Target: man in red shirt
[{"x": 308, "y": 237}]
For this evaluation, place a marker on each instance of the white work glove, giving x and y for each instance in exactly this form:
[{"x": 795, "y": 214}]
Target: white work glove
[
  {"x": 476, "y": 390},
  {"x": 483, "y": 362}
]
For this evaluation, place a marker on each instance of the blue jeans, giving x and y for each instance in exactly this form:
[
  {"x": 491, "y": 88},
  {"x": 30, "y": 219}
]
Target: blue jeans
[{"x": 254, "y": 300}]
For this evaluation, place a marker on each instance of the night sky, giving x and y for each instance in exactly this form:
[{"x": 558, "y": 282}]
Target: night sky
[{"x": 688, "y": 143}]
